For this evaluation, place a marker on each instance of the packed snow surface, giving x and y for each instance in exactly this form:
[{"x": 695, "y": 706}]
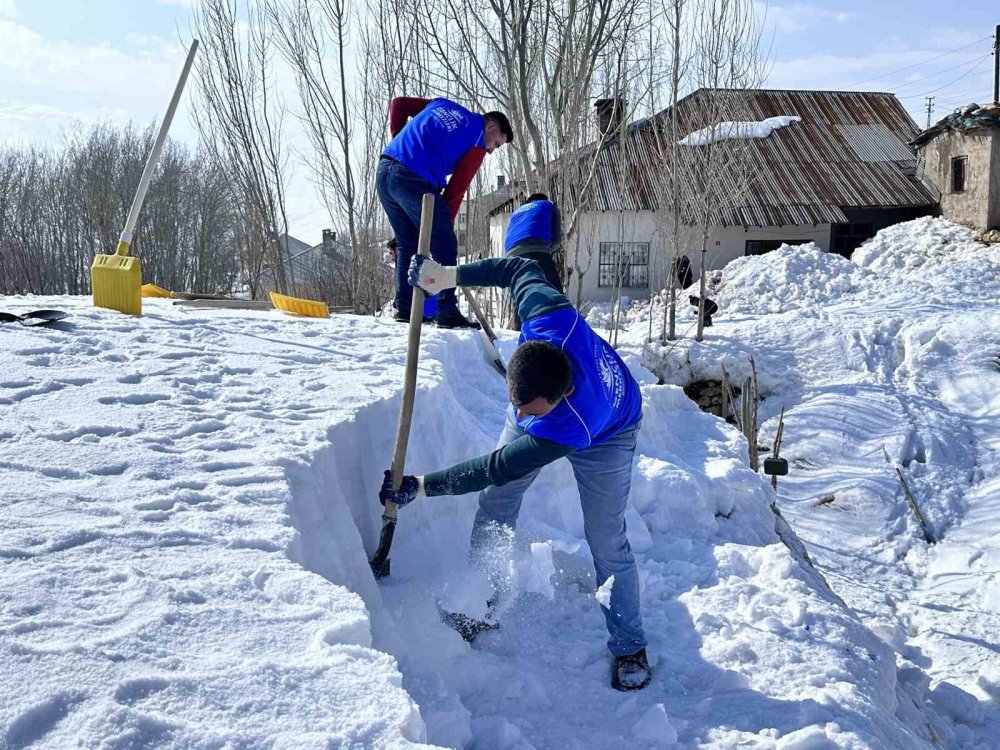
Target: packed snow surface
[
  {"x": 739, "y": 130},
  {"x": 188, "y": 501}
]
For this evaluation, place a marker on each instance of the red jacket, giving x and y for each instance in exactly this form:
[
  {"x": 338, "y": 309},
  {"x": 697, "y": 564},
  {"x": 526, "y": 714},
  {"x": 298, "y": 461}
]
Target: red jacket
[{"x": 401, "y": 109}]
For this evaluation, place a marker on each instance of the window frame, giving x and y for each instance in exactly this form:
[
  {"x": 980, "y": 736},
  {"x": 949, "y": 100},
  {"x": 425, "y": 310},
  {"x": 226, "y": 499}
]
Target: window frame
[
  {"x": 608, "y": 278},
  {"x": 955, "y": 162}
]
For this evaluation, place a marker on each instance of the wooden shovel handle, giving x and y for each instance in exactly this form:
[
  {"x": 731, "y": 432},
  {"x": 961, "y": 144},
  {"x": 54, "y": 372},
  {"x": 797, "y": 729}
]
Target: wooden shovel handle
[
  {"x": 478, "y": 312},
  {"x": 412, "y": 356}
]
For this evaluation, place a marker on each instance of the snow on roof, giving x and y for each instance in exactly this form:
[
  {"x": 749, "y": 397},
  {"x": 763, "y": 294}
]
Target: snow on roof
[{"x": 732, "y": 131}]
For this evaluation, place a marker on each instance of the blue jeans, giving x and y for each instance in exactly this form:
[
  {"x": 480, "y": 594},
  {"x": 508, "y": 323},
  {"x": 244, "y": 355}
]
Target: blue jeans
[
  {"x": 603, "y": 476},
  {"x": 400, "y": 192}
]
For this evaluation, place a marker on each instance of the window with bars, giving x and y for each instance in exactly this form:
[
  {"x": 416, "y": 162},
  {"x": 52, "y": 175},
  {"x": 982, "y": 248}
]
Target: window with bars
[{"x": 625, "y": 263}]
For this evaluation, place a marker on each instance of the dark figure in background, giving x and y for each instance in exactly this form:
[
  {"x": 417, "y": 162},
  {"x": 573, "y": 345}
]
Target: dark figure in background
[
  {"x": 710, "y": 307},
  {"x": 682, "y": 272},
  {"x": 534, "y": 232}
]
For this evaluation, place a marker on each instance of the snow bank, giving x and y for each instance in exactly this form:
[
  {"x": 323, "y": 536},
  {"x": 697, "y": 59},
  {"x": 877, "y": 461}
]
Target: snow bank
[
  {"x": 732, "y": 131},
  {"x": 938, "y": 253},
  {"x": 153, "y": 592},
  {"x": 789, "y": 278}
]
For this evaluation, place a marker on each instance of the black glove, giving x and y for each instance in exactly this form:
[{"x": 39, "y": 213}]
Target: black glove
[{"x": 407, "y": 491}]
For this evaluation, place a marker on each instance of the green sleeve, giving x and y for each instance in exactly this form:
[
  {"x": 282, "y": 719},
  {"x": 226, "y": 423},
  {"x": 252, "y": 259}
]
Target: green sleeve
[
  {"x": 532, "y": 293},
  {"x": 513, "y": 461}
]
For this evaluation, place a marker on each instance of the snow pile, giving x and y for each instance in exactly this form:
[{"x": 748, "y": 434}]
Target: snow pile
[
  {"x": 733, "y": 131},
  {"x": 189, "y": 501},
  {"x": 935, "y": 252},
  {"x": 884, "y": 368},
  {"x": 788, "y": 278}
]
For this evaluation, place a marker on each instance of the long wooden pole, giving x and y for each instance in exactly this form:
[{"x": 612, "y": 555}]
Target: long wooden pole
[{"x": 380, "y": 562}]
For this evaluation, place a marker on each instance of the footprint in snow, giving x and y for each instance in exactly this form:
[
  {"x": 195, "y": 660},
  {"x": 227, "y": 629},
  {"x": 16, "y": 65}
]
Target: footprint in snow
[
  {"x": 16, "y": 383},
  {"x": 134, "y": 399},
  {"x": 38, "y": 350},
  {"x": 214, "y": 467},
  {"x": 86, "y": 433},
  {"x": 133, "y": 691},
  {"x": 39, "y": 720},
  {"x": 109, "y": 470}
]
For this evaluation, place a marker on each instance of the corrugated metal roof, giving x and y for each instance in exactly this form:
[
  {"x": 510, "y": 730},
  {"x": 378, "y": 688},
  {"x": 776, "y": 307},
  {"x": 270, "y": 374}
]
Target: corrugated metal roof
[{"x": 849, "y": 151}]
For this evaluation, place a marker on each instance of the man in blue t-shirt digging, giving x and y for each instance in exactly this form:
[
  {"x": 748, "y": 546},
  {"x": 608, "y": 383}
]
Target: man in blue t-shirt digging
[{"x": 571, "y": 396}]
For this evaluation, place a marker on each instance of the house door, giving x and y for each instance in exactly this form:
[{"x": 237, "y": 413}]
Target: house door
[{"x": 846, "y": 238}]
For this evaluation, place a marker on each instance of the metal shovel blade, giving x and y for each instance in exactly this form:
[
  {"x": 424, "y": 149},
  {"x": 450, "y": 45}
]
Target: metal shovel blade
[
  {"x": 33, "y": 318},
  {"x": 41, "y": 317}
]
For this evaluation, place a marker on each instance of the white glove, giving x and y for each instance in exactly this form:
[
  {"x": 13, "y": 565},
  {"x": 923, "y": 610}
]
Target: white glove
[{"x": 431, "y": 276}]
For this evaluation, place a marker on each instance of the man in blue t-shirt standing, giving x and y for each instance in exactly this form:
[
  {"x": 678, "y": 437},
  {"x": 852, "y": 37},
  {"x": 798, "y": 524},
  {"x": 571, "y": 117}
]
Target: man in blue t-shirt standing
[
  {"x": 439, "y": 149},
  {"x": 571, "y": 396}
]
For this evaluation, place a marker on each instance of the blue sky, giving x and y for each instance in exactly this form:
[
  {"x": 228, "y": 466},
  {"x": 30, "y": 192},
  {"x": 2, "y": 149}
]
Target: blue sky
[{"x": 86, "y": 60}]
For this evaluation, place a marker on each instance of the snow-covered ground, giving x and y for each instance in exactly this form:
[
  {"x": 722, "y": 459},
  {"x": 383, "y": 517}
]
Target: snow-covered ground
[
  {"x": 188, "y": 501},
  {"x": 890, "y": 361}
]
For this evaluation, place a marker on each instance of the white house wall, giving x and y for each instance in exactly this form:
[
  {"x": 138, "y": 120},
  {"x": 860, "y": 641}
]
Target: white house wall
[{"x": 724, "y": 245}]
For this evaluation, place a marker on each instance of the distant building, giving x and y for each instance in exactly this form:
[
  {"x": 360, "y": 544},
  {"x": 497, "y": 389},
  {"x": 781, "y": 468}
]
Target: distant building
[
  {"x": 838, "y": 170},
  {"x": 961, "y": 157}
]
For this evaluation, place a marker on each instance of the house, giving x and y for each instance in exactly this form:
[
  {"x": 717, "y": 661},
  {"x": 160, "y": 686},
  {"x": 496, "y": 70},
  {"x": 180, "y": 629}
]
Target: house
[
  {"x": 305, "y": 266},
  {"x": 832, "y": 167},
  {"x": 472, "y": 225},
  {"x": 961, "y": 157}
]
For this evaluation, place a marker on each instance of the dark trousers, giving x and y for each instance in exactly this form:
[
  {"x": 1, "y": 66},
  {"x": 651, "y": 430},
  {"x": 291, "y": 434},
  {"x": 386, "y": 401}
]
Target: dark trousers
[{"x": 400, "y": 192}]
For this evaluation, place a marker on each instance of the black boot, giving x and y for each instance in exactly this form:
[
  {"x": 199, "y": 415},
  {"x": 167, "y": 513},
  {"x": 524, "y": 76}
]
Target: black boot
[
  {"x": 453, "y": 319},
  {"x": 403, "y": 316},
  {"x": 630, "y": 672}
]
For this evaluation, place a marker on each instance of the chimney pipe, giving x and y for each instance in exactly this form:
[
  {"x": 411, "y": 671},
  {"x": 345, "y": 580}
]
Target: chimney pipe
[{"x": 610, "y": 113}]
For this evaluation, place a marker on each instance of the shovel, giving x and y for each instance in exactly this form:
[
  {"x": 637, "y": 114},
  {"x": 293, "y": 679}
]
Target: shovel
[
  {"x": 489, "y": 338},
  {"x": 33, "y": 318},
  {"x": 380, "y": 562},
  {"x": 117, "y": 279}
]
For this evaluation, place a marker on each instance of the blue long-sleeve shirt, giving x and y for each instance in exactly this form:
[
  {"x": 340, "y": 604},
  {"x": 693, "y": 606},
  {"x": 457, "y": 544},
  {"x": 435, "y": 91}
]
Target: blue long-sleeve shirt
[{"x": 605, "y": 399}]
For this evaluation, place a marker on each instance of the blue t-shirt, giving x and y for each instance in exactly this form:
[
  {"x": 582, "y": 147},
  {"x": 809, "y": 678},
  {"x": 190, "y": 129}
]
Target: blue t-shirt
[
  {"x": 432, "y": 143},
  {"x": 605, "y": 399},
  {"x": 532, "y": 221}
]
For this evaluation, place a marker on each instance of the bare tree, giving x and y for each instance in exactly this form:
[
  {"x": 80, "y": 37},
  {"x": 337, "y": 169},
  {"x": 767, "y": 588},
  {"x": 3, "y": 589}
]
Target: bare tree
[
  {"x": 343, "y": 112},
  {"x": 240, "y": 118},
  {"x": 62, "y": 205},
  {"x": 728, "y": 63},
  {"x": 668, "y": 209}
]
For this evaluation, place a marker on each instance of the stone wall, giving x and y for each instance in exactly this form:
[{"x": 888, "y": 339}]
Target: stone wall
[
  {"x": 708, "y": 395},
  {"x": 973, "y": 206}
]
